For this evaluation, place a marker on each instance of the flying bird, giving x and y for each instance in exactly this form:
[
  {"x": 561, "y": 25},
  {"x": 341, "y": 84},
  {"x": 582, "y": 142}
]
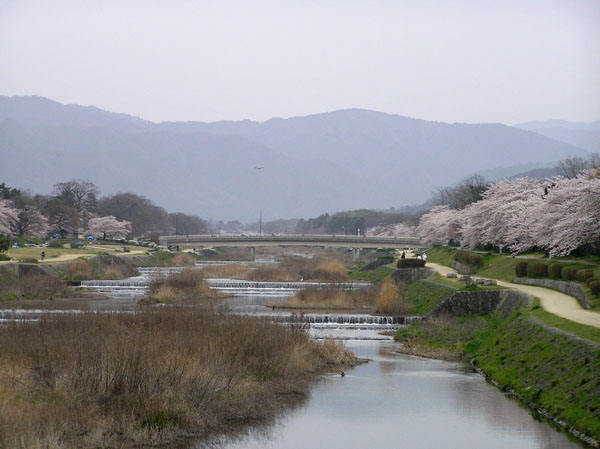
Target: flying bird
[{"x": 258, "y": 168}]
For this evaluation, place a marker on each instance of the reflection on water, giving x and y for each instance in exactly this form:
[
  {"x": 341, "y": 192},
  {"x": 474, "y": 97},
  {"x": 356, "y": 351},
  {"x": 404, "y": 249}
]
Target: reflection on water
[{"x": 402, "y": 401}]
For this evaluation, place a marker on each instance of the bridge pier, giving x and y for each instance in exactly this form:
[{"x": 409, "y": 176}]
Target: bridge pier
[
  {"x": 251, "y": 253},
  {"x": 356, "y": 252}
]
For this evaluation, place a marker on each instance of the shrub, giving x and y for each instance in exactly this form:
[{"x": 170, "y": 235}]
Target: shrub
[
  {"x": 4, "y": 242},
  {"x": 466, "y": 258},
  {"x": 389, "y": 300},
  {"x": 521, "y": 269},
  {"x": 410, "y": 263},
  {"x": 537, "y": 270},
  {"x": 595, "y": 287},
  {"x": 584, "y": 275},
  {"x": 569, "y": 273},
  {"x": 4, "y": 256},
  {"x": 28, "y": 260},
  {"x": 590, "y": 280},
  {"x": 555, "y": 271},
  {"x": 55, "y": 244}
]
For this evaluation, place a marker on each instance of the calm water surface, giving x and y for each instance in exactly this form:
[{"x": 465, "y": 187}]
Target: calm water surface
[{"x": 398, "y": 401}]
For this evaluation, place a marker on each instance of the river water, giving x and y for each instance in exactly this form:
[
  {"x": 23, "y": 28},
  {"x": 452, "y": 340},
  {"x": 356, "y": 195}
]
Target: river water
[{"x": 393, "y": 401}]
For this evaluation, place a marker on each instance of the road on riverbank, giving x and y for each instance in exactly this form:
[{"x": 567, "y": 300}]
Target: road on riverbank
[{"x": 552, "y": 301}]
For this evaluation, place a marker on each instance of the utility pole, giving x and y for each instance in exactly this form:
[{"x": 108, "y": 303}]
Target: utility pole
[
  {"x": 260, "y": 225},
  {"x": 176, "y": 223}
]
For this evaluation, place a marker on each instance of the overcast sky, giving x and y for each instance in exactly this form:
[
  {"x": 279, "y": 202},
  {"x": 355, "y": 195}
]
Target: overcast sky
[{"x": 453, "y": 61}]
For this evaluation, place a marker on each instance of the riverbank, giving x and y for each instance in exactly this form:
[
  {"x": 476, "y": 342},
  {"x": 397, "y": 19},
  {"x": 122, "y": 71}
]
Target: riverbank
[
  {"x": 553, "y": 371},
  {"x": 151, "y": 378}
]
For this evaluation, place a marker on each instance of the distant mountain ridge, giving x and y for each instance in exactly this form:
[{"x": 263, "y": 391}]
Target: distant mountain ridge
[
  {"x": 319, "y": 163},
  {"x": 579, "y": 134}
]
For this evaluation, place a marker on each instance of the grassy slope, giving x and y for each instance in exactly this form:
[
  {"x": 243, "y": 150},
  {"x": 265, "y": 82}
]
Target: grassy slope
[
  {"x": 426, "y": 295},
  {"x": 545, "y": 369},
  {"x": 376, "y": 275}
]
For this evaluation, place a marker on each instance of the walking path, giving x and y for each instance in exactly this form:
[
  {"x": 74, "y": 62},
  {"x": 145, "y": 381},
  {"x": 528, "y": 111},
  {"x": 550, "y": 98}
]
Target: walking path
[{"x": 555, "y": 302}]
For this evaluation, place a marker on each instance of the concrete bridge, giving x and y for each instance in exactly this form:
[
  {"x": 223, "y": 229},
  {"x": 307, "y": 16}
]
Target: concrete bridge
[{"x": 316, "y": 240}]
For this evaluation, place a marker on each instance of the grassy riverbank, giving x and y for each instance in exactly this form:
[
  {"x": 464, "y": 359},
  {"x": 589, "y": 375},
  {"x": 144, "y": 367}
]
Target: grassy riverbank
[
  {"x": 548, "y": 363},
  {"x": 151, "y": 378}
]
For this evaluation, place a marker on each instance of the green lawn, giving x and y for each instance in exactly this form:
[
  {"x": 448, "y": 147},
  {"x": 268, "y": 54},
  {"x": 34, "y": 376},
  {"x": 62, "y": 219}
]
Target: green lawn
[{"x": 581, "y": 330}]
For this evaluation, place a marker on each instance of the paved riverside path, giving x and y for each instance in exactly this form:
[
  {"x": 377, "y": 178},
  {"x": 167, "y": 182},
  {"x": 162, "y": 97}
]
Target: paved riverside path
[{"x": 552, "y": 301}]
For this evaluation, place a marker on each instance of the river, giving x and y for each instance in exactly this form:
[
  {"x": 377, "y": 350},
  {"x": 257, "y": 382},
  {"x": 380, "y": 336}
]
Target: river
[{"x": 394, "y": 400}]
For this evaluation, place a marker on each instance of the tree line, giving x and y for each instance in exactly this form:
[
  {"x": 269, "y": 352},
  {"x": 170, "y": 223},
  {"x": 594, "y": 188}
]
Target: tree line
[
  {"x": 557, "y": 215},
  {"x": 76, "y": 207}
]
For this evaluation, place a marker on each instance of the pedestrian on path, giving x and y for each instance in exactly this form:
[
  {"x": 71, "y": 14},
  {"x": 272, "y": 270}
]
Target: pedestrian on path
[{"x": 425, "y": 257}]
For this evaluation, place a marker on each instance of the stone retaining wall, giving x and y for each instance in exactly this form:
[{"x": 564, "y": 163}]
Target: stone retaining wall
[
  {"x": 568, "y": 288},
  {"x": 462, "y": 269},
  {"x": 481, "y": 302},
  {"x": 408, "y": 275}
]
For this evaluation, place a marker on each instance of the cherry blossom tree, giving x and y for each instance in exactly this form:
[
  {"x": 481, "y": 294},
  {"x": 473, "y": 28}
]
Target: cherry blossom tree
[
  {"x": 108, "y": 226},
  {"x": 570, "y": 214},
  {"x": 8, "y": 217},
  {"x": 441, "y": 223},
  {"x": 30, "y": 222}
]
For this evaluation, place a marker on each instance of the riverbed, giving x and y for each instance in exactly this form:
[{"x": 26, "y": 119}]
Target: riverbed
[{"x": 394, "y": 400}]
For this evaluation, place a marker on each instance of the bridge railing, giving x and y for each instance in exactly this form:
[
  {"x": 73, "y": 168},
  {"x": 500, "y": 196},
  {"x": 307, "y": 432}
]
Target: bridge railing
[{"x": 212, "y": 238}]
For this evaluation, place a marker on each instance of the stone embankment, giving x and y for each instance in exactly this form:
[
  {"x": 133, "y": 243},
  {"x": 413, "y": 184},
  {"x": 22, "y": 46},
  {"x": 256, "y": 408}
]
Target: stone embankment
[
  {"x": 408, "y": 275},
  {"x": 568, "y": 288},
  {"x": 464, "y": 303}
]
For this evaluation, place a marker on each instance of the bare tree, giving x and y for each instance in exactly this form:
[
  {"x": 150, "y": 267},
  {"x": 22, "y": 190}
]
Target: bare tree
[
  {"x": 79, "y": 194},
  {"x": 571, "y": 166},
  {"x": 460, "y": 196}
]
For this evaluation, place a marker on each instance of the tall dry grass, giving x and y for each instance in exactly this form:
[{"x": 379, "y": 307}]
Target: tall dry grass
[
  {"x": 131, "y": 380},
  {"x": 38, "y": 286},
  {"x": 226, "y": 271},
  {"x": 189, "y": 284},
  {"x": 80, "y": 269},
  {"x": 390, "y": 301},
  {"x": 334, "y": 297},
  {"x": 326, "y": 267}
]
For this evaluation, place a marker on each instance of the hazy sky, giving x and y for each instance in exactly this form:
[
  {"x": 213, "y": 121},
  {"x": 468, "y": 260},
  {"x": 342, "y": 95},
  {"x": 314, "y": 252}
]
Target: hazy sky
[{"x": 467, "y": 61}]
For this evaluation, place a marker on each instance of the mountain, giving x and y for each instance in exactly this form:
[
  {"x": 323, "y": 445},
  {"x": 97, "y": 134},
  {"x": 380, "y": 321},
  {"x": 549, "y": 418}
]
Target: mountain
[
  {"x": 410, "y": 155},
  {"x": 345, "y": 159},
  {"x": 200, "y": 173},
  {"x": 579, "y": 134}
]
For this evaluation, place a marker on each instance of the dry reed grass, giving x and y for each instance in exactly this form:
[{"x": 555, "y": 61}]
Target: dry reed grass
[
  {"x": 144, "y": 379},
  {"x": 226, "y": 271},
  {"x": 79, "y": 269},
  {"x": 189, "y": 284},
  {"x": 184, "y": 260},
  {"x": 390, "y": 301},
  {"x": 326, "y": 267},
  {"x": 40, "y": 286}
]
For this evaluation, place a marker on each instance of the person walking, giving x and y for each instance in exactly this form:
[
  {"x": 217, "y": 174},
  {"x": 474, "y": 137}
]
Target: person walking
[
  {"x": 43, "y": 255},
  {"x": 425, "y": 257},
  {"x": 403, "y": 256}
]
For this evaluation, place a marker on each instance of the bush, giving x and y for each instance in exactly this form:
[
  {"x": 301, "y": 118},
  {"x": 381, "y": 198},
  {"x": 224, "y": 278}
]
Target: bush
[
  {"x": 584, "y": 275},
  {"x": 595, "y": 286},
  {"x": 590, "y": 280},
  {"x": 4, "y": 256},
  {"x": 537, "y": 270},
  {"x": 569, "y": 273},
  {"x": 466, "y": 258},
  {"x": 28, "y": 260},
  {"x": 4, "y": 242},
  {"x": 521, "y": 269},
  {"x": 55, "y": 244},
  {"x": 410, "y": 263},
  {"x": 555, "y": 271}
]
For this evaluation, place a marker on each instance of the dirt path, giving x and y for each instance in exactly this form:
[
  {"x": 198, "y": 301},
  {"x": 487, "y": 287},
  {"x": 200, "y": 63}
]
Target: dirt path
[{"x": 555, "y": 302}]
